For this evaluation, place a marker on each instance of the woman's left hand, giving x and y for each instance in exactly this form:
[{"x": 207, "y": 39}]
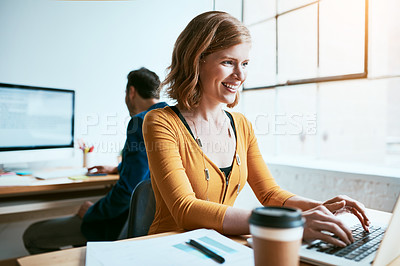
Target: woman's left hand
[{"x": 342, "y": 203}]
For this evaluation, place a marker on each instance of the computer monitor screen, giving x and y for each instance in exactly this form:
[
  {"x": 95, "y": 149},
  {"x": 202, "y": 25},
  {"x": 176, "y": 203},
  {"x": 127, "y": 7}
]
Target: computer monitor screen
[{"x": 33, "y": 119}]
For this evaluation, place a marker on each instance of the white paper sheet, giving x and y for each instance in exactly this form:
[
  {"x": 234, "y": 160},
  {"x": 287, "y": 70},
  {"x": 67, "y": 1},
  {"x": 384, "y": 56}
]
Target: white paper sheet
[
  {"x": 169, "y": 250},
  {"x": 16, "y": 180}
]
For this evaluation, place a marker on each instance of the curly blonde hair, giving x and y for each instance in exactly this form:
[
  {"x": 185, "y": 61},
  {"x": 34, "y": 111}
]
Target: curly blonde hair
[{"x": 207, "y": 33}]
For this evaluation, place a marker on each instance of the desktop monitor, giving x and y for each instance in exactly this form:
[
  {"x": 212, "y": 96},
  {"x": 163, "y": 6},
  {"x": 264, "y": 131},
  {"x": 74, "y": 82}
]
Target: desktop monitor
[{"x": 36, "y": 124}]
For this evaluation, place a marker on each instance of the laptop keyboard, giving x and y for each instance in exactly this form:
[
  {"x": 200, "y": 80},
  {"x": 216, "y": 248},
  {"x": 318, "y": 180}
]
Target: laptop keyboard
[{"x": 364, "y": 244}]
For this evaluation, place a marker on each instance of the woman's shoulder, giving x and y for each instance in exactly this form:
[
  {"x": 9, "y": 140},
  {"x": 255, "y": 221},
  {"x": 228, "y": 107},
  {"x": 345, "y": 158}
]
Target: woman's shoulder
[
  {"x": 162, "y": 117},
  {"x": 160, "y": 113}
]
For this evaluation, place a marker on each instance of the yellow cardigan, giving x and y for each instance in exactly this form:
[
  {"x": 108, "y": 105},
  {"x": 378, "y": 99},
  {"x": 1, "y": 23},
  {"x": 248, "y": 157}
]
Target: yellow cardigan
[{"x": 177, "y": 174}]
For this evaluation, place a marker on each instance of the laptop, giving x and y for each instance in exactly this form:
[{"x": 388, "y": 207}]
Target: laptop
[{"x": 378, "y": 247}]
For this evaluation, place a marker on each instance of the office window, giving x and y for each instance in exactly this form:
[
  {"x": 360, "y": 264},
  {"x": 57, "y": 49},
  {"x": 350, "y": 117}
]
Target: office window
[
  {"x": 352, "y": 122},
  {"x": 306, "y": 41},
  {"x": 259, "y": 109},
  {"x": 287, "y": 5},
  {"x": 355, "y": 132},
  {"x": 256, "y": 11},
  {"x": 297, "y": 44},
  {"x": 233, "y": 7},
  {"x": 341, "y": 41},
  {"x": 262, "y": 66},
  {"x": 260, "y": 16}
]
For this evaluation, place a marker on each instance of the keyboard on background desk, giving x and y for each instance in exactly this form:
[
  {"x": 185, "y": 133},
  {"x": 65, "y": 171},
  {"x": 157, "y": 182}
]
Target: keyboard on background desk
[{"x": 60, "y": 173}]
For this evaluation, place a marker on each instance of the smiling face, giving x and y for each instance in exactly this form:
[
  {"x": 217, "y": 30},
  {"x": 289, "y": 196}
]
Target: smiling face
[{"x": 222, "y": 73}]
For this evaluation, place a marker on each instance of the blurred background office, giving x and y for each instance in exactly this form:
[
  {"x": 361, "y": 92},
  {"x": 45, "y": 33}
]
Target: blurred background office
[{"x": 323, "y": 89}]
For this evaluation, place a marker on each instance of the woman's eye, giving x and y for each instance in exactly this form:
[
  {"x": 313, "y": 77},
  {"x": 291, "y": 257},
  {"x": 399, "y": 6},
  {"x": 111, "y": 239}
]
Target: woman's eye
[
  {"x": 227, "y": 62},
  {"x": 245, "y": 64}
]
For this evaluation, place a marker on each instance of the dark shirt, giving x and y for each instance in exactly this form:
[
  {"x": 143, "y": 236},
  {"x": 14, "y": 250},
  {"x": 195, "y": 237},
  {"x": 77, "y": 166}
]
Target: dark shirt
[{"x": 105, "y": 219}]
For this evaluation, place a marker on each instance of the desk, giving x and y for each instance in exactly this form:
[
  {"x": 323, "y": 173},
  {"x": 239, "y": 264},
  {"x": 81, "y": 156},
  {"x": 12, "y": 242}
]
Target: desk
[
  {"x": 77, "y": 256},
  {"x": 69, "y": 257},
  {"x": 20, "y": 202}
]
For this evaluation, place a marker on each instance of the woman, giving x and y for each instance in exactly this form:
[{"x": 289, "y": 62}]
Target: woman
[{"x": 201, "y": 156}]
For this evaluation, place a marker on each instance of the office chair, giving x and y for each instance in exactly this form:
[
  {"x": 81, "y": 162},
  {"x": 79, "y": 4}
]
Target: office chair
[{"x": 141, "y": 210}]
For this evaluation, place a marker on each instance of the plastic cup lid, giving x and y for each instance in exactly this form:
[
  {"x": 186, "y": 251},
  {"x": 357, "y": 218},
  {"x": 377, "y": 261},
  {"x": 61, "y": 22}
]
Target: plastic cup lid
[{"x": 276, "y": 217}]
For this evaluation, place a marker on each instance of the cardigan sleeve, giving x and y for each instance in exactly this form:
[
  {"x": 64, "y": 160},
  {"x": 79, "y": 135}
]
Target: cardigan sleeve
[
  {"x": 260, "y": 178},
  {"x": 168, "y": 175}
]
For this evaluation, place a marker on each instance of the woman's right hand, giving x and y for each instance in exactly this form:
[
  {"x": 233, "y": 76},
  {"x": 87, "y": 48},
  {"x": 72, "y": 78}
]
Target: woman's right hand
[{"x": 321, "y": 224}]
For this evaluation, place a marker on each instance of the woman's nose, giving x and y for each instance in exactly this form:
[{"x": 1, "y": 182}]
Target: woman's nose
[{"x": 240, "y": 72}]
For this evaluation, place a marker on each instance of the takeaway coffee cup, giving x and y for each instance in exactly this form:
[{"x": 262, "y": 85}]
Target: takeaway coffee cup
[{"x": 277, "y": 234}]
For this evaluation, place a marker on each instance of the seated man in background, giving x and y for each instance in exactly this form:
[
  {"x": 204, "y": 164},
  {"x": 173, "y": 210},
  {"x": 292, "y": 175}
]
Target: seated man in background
[{"x": 104, "y": 220}]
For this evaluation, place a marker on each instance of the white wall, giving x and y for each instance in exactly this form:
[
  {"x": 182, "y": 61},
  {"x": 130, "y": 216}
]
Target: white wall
[{"x": 90, "y": 47}]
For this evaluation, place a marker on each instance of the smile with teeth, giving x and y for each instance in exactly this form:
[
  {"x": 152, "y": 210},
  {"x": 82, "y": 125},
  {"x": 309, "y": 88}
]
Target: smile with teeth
[{"x": 231, "y": 87}]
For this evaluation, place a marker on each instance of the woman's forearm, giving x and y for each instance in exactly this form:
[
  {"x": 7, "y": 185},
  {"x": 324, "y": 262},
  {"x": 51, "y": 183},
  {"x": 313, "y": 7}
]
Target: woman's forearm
[
  {"x": 236, "y": 221},
  {"x": 301, "y": 203}
]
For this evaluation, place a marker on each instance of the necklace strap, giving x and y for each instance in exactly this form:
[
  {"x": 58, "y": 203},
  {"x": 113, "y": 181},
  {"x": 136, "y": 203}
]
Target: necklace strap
[{"x": 179, "y": 114}]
